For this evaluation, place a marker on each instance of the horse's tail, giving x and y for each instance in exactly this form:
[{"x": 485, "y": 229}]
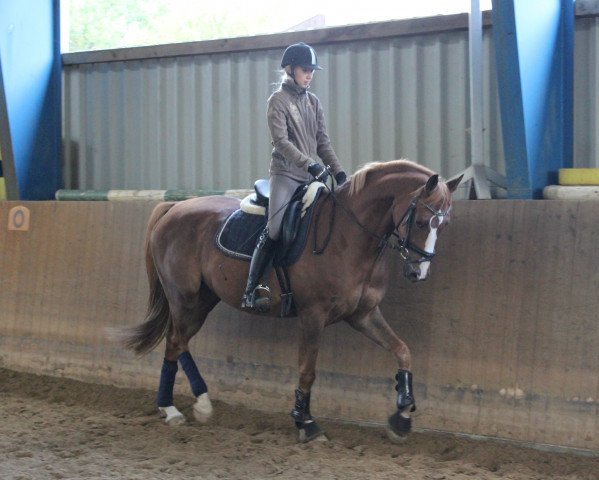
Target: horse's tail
[{"x": 143, "y": 338}]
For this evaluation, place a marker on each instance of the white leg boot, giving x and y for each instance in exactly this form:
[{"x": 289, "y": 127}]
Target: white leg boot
[
  {"x": 173, "y": 416},
  {"x": 202, "y": 409}
]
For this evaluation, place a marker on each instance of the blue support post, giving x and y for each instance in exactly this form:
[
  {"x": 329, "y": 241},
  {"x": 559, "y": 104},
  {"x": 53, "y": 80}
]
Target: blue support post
[
  {"x": 534, "y": 49},
  {"x": 31, "y": 71}
]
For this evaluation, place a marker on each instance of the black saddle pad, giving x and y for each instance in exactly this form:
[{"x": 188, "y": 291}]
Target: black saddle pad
[{"x": 239, "y": 234}]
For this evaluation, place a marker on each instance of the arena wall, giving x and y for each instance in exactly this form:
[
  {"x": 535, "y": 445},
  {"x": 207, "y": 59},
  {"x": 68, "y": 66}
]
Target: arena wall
[{"x": 504, "y": 335}]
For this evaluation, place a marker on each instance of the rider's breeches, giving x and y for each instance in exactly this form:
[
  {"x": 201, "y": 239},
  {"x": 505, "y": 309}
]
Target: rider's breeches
[{"x": 282, "y": 189}]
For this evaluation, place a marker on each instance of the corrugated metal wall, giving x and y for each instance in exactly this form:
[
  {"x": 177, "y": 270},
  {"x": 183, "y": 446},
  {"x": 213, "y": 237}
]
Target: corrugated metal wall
[
  {"x": 586, "y": 86},
  {"x": 198, "y": 120}
]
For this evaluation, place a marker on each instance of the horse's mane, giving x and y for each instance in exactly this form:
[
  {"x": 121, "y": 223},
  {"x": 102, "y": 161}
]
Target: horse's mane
[{"x": 358, "y": 179}]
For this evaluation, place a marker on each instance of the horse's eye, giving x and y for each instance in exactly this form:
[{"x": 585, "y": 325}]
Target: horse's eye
[{"x": 421, "y": 224}]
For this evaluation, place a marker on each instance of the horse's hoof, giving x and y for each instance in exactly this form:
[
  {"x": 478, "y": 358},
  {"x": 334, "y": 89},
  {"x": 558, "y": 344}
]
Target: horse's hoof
[
  {"x": 391, "y": 435},
  {"x": 202, "y": 409},
  {"x": 173, "y": 417},
  {"x": 398, "y": 427},
  {"x": 310, "y": 431}
]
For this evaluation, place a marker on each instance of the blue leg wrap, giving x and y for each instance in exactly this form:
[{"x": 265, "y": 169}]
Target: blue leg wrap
[
  {"x": 167, "y": 383},
  {"x": 198, "y": 386}
]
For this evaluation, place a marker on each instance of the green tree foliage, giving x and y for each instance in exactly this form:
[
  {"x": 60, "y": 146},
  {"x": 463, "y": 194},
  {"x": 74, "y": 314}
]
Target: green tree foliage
[{"x": 103, "y": 24}]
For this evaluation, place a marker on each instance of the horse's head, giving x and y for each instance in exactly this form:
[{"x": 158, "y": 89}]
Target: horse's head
[{"x": 419, "y": 225}]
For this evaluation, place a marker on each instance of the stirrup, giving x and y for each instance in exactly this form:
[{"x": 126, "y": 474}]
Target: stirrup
[{"x": 260, "y": 304}]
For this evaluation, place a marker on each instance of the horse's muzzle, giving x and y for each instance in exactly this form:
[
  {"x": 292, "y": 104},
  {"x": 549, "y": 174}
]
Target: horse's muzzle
[{"x": 411, "y": 271}]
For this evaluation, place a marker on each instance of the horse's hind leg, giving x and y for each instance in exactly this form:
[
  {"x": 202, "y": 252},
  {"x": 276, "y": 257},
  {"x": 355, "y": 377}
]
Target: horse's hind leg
[
  {"x": 202, "y": 408},
  {"x": 188, "y": 316}
]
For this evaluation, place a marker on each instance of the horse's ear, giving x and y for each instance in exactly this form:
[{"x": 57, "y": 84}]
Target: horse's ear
[
  {"x": 453, "y": 184},
  {"x": 431, "y": 183}
]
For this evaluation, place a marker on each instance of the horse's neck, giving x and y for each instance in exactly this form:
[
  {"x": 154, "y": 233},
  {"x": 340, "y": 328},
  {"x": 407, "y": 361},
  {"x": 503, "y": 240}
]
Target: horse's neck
[{"x": 372, "y": 205}]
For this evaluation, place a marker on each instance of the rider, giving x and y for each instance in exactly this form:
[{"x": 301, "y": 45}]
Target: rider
[{"x": 298, "y": 131}]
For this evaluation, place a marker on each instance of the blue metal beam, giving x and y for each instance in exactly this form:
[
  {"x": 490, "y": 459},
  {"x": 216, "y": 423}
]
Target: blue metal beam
[
  {"x": 31, "y": 70},
  {"x": 534, "y": 49}
]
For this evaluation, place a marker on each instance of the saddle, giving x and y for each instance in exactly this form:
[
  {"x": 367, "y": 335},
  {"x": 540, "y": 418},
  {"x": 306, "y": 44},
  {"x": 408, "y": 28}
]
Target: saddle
[{"x": 239, "y": 234}]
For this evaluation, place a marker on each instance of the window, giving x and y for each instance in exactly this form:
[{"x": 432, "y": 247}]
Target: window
[{"x": 105, "y": 24}]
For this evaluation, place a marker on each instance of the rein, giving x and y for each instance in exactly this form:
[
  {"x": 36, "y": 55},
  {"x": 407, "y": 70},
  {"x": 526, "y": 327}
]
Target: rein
[
  {"x": 383, "y": 241},
  {"x": 404, "y": 245}
]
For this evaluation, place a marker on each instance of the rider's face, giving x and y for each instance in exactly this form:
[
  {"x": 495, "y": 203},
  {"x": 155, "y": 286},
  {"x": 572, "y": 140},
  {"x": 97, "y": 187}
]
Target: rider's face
[{"x": 303, "y": 76}]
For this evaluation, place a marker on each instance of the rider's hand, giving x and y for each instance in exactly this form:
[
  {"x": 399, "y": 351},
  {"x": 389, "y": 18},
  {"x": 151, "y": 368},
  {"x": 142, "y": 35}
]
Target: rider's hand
[
  {"x": 341, "y": 178},
  {"x": 318, "y": 172}
]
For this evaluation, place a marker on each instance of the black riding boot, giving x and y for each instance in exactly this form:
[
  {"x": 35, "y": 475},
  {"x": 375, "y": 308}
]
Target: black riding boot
[{"x": 261, "y": 258}]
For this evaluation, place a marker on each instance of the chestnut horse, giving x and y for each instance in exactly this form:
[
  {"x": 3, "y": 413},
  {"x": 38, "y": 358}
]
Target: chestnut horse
[{"x": 384, "y": 206}]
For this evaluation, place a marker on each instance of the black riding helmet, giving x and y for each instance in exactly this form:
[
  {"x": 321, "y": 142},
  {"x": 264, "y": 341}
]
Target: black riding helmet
[{"x": 300, "y": 55}]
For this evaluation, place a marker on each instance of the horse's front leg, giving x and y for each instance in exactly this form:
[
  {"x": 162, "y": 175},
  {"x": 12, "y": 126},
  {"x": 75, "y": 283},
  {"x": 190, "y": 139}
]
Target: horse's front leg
[
  {"x": 375, "y": 327},
  {"x": 308, "y": 354}
]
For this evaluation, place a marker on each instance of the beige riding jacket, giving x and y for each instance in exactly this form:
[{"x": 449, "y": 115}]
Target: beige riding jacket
[{"x": 298, "y": 131}]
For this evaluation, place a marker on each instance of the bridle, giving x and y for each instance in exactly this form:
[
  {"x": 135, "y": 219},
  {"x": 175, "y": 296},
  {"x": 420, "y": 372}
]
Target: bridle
[{"x": 403, "y": 245}]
